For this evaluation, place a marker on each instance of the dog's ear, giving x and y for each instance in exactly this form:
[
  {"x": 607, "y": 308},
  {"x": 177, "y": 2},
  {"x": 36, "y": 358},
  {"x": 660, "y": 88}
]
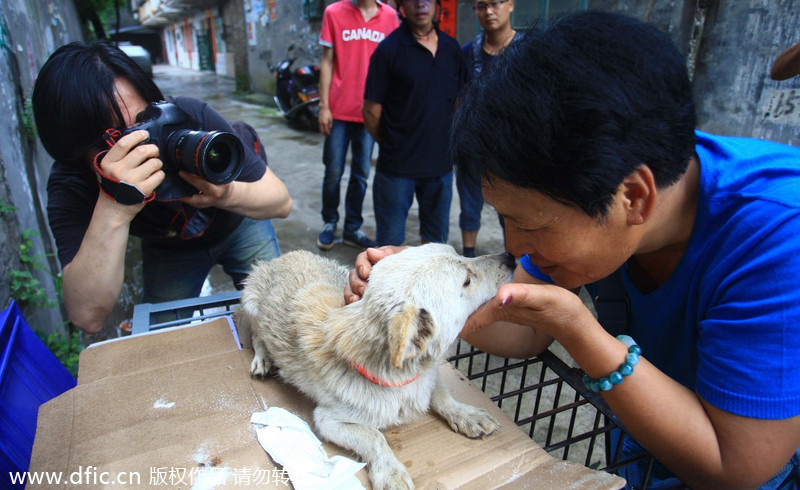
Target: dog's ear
[{"x": 409, "y": 331}]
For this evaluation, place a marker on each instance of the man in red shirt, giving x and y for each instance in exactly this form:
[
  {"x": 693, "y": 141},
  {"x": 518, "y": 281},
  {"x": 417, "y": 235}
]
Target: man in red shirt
[{"x": 351, "y": 29}]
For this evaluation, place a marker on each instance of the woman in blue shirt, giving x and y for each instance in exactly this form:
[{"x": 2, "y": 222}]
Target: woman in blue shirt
[{"x": 584, "y": 136}]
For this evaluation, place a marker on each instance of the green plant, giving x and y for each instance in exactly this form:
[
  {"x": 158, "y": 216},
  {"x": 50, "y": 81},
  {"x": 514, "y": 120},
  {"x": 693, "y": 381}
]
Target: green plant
[
  {"x": 28, "y": 122},
  {"x": 26, "y": 288},
  {"x": 66, "y": 348},
  {"x": 6, "y": 208}
]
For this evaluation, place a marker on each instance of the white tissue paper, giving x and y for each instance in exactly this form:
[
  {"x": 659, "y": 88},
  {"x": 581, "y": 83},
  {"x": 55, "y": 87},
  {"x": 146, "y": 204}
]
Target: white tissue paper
[{"x": 291, "y": 444}]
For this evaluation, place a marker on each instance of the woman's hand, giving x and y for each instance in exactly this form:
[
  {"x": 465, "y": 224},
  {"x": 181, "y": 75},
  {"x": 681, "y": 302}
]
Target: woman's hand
[
  {"x": 360, "y": 273},
  {"x": 549, "y": 309}
]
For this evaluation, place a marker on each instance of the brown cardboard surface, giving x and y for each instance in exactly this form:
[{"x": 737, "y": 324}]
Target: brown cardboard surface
[{"x": 176, "y": 405}]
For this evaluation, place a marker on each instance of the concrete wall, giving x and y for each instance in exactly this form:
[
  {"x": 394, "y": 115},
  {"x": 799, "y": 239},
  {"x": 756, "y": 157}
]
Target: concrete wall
[
  {"x": 271, "y": 26},
  {"x": 734, "y": 92},
  {"x": 730, "y": 46},
  {"x": 31, "y": 31}
]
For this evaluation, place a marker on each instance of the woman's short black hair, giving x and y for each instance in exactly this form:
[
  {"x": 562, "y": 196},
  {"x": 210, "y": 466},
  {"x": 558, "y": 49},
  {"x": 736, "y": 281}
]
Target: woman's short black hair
[
  {"x": 572, "y": 108},
  {"x": 74, "y": 97}
]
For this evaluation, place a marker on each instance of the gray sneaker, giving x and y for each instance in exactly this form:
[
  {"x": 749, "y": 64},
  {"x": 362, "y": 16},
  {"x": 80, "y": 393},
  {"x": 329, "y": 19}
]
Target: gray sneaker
[
  {"x": 358, "y": 240},
  {"x": 325, "y": 239}
]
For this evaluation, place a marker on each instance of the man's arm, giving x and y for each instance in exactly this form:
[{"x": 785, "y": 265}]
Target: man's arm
[
  {"x": 372, "y": 111},
  {"x": 92, "y": 281},
  {"x": 325, "y": 75}
]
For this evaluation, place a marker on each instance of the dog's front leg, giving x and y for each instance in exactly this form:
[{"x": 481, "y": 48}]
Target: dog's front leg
[
  {"x": 261, "y": 364},
  {"x": 386, "y": 472},
  {"x": 465, "y": 419}
]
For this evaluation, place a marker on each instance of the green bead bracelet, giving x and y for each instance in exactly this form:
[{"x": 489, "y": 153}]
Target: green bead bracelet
[{"x": 625, "y": 369}]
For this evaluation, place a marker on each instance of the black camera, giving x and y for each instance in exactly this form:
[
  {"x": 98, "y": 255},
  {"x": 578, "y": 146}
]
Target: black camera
[{"x": 216, "y": 156}]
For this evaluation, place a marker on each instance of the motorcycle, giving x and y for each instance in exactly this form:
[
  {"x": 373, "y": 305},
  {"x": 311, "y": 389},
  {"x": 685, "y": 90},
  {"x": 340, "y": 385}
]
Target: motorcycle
[{"x": 297, "y": 92}]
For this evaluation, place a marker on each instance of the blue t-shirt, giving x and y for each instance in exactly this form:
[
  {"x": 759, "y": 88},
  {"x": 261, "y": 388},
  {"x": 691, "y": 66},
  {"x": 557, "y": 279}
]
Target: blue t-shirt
[{"x": 727, "y": 321}]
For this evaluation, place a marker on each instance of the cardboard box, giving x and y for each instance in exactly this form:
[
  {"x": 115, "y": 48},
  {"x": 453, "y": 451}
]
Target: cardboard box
[{"x": 172, "y": 409}]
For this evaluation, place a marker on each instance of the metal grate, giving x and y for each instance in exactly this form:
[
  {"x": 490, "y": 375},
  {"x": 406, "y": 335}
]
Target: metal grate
[
  {"x": 546, "y": 398},
  {"x": 154, "y": 316},
  {"x": 542, "y": 395}
]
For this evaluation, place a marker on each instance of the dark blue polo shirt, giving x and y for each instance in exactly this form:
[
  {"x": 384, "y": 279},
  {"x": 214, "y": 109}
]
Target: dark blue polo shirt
[{"x": 417, "y": 93}]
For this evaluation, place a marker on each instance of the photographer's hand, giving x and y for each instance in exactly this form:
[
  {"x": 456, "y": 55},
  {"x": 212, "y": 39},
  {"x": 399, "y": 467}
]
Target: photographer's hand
[
  {"x": 265, "y": 198},
  {"x": 134, "y": 164},
  {"x": 209, "y": 195}
]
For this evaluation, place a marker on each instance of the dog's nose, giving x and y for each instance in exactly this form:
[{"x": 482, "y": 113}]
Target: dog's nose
[{"x": 509, "y": 260}]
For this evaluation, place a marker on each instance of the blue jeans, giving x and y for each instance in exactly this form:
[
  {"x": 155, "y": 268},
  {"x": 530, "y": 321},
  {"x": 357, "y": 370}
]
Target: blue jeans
[
  {"x": 471, "y": 200},
  {"x": 393, "y": 196},
  {"x": 334, "y": 155},
  {"x": 171, "y": 274}
]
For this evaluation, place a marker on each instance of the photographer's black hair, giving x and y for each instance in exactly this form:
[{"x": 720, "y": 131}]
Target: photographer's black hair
[
  {"x": 573, "y": 108},
  {"x": 74, "y": 97}
]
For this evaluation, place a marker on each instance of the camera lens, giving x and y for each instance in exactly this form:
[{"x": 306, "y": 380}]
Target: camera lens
[
  {"x": 214, "y": 155},
  {"x": 219, "y": 154}
]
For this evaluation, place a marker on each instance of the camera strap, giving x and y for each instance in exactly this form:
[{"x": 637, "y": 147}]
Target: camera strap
[{"x": 118, "y": 190}]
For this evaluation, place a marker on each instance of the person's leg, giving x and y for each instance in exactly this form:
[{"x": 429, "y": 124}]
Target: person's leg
[
  {"x": 361, "y": 145},
  {"x": 252, "y": 240},
  {"x": 469, "y": 220},
  {"x": 392, "y": 197},
  {"x": 171, "y": 274},
  {"x": 434, "y": 196},
  {"x": 334, "y": 152},
  {"x": 468, "y": 241}
]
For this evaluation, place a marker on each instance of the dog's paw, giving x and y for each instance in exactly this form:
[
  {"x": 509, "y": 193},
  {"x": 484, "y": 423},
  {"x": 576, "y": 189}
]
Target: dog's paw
[
  {"x": 472, "y": 422},
  {"x": 390, "y": 477},
  {"x": 260, "y": 367}
]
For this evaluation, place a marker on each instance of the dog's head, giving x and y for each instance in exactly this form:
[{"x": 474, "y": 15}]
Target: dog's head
[{"x": 424, "y": 295}]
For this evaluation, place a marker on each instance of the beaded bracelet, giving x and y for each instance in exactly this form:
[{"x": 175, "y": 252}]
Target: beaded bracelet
[{"x": 618, "y": 376}]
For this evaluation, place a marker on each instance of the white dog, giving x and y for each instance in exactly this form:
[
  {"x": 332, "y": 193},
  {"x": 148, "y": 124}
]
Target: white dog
[{"x": 371, "y": 364}]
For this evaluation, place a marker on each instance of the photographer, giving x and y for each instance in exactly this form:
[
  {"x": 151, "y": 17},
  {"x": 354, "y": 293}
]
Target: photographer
[{"x": 82, "y": 91}]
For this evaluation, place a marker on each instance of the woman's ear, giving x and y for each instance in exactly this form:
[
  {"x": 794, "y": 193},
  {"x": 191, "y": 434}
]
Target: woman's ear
[{"x": 639, "y": 192}]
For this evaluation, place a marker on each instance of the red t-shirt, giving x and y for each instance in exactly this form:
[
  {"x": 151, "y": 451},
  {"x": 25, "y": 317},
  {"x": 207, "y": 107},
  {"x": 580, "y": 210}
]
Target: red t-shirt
[{"x": 353, "y": 42}]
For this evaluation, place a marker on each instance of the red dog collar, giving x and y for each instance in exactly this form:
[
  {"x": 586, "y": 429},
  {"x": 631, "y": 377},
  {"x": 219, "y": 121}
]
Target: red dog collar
[{"x": 378, "y": 381}]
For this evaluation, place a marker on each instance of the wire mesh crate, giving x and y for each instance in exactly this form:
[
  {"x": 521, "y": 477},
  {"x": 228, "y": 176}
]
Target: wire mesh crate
[
  {"x": 546, "y": 398},
  {"x": 544, "y": 395}
]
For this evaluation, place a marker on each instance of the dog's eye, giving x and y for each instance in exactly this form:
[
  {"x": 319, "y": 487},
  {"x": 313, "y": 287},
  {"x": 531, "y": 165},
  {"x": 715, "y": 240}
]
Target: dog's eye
[{"x": 466, "y": 283}]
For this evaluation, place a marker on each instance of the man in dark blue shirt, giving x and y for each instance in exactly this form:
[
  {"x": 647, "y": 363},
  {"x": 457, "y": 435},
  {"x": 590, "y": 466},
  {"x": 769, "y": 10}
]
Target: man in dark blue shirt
[{"x": 415, "y": 76}]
